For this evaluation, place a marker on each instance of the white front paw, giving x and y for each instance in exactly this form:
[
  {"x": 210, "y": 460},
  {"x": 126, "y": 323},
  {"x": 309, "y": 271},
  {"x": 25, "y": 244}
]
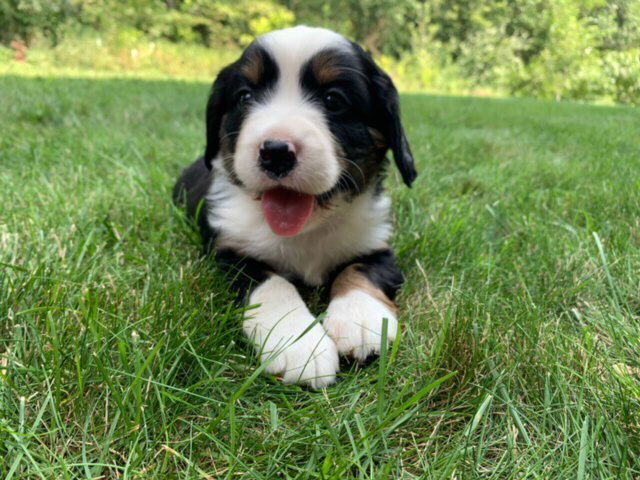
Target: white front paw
[
  {"x": 354, "y": 321},
  {"x": 279, "y": 328},
  {"x": 311, "y": 359}
]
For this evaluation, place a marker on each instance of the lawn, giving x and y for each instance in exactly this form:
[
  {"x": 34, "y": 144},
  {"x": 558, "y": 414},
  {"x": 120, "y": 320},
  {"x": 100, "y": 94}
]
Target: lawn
[{"x": 121, "y": 355}]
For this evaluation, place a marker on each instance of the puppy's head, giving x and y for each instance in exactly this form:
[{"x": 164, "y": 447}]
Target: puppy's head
[{"x": 302, "y": 118}]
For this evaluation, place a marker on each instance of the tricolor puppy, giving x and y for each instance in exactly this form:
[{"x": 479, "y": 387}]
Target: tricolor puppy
[{"x": 289, "y": 192}]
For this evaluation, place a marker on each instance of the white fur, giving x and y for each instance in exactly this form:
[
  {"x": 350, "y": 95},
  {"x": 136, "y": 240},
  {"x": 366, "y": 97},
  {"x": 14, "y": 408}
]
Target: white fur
[
  {"x": 292, "y": 46},
  {"x": 331, "y": 237},
  {"x": 288, "y": 115},
  {"x": 354, "y": 321},
  {"x": 276, "y": 326}
]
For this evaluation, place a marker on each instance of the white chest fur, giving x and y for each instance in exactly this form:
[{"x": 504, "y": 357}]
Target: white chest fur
[{"x": 333, "y": 235}]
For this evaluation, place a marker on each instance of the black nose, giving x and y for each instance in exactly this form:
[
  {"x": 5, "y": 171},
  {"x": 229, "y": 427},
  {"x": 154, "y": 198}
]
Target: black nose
[{"x": 277, "y": 158}]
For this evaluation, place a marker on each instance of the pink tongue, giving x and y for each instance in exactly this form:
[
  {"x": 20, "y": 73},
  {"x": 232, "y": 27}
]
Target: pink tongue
[{"x": 286, "y": 211}]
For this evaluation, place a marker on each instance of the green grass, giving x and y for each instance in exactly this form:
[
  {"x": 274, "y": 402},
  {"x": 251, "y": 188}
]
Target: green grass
[{"x": 122, "y": 357}]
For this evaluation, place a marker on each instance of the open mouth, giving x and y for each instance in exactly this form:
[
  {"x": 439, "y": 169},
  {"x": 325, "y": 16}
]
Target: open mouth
[{"x": 287, "y": 211}]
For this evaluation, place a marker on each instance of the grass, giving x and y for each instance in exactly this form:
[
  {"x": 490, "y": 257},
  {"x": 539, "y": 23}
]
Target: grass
[{"x": 121, "y": 355}]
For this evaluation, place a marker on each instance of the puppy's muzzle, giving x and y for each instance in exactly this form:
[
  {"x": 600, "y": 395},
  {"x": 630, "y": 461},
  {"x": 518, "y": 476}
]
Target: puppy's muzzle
[{"x": 277, "y": 158}]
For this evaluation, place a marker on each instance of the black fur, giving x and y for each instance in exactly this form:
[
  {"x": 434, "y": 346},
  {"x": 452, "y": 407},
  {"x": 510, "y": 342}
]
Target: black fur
[
  {"x": 386, "y": 115},
  {"x": 245, "y": 273},
  {"x": 364, "y": 160},
  {"x": 373, "y": 105},
  {"x": 381, "y": 270},
  {"x": 225, "y": 112},
  {"x": 189, "y": 192}
]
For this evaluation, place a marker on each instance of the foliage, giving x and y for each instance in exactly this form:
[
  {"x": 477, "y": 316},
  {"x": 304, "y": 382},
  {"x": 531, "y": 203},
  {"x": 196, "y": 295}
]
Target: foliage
[
  {"x": 623, "y": 71},
  {"x": 212, "y": 23},
  {"x": 578, "y": 49},
  {"x": 382, "y": 26},
  {"x": 22, "y": 19},
  {"x": 573, "y": 49}
]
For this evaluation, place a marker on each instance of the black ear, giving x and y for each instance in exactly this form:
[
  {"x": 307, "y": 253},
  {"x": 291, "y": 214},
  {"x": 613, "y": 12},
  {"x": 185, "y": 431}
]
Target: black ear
[
  {"x": 387, "y": 114},
  {"x": 216, "y": 108}
]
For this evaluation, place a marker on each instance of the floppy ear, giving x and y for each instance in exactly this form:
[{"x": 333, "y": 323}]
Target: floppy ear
[
  {"x": 387, "y": 108},
  {"x": 216, "y": 108}
]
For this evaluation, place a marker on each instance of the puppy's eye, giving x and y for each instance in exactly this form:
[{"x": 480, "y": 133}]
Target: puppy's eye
[
  {"x": 335, "y": 101},
  {"x": 244, "y": 97}
]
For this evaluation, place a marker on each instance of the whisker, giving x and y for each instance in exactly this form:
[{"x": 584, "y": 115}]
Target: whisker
[
  {"x": 229, "y": 134},
  {"x": 358, "y": 167}
]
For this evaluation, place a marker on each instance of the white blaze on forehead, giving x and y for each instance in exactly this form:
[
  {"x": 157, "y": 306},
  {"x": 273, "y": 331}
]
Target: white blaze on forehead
[
  {"x": 285, "y": 113},
  {"x": 292, "y": 47}
]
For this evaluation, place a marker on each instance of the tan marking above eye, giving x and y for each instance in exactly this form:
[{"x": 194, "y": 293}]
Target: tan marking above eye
[
  {"x": 253, "y": 69},
  {"x": 325, "y": 68},
  {"x": 352, "y": 279}
]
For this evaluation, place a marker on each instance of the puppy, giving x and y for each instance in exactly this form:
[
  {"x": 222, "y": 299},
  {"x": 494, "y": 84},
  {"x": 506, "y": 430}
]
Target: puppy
[{"x": 289, "y": 192}]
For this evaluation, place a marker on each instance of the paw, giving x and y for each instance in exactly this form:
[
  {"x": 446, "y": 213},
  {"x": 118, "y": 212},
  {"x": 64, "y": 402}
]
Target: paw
[
  {"x": 310, "y": 360},
  {"x": 354, "y": 322},
  {"x": 279, "y": 329}
]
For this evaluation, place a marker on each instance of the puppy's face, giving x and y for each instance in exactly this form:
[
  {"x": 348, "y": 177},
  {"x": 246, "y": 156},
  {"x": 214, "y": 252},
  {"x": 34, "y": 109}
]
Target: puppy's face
[{"x": 302, "y": 118}]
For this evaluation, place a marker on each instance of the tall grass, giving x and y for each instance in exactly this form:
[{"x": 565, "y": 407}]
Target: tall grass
[{"x": 121, "y": 354}]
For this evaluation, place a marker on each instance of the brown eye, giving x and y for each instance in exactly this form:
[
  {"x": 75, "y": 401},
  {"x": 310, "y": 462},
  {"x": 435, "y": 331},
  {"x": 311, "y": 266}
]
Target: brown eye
[
  {"x": 334, "y": 101},
  {"x": 244, "y": 97}
]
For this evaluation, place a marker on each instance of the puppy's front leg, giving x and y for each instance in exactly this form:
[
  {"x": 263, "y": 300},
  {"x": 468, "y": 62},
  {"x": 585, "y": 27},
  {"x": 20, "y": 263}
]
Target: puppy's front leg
[
  {"x": 361, "y": 297},
  {"x": 280, "y": 328},
  {"x": 277, "y": 328}
]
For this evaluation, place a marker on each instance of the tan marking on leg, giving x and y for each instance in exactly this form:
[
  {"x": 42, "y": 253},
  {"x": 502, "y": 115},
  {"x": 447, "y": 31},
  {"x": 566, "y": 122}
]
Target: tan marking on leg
[{"x": 352, "y": 279}]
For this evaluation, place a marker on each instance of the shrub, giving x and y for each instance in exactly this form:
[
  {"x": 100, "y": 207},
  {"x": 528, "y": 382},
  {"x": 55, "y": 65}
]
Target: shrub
[
  {"x": 24, "y": 19},
  {"x": 205, "y": 22},
  {"x": 573, "y": 49},
  {"x": 622, "y": 69}
]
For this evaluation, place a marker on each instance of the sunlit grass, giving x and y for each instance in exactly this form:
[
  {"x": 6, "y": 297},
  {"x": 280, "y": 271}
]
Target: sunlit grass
[
  {"x": 94, "y": 56},
  {"x": 121, "y": 354}
]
